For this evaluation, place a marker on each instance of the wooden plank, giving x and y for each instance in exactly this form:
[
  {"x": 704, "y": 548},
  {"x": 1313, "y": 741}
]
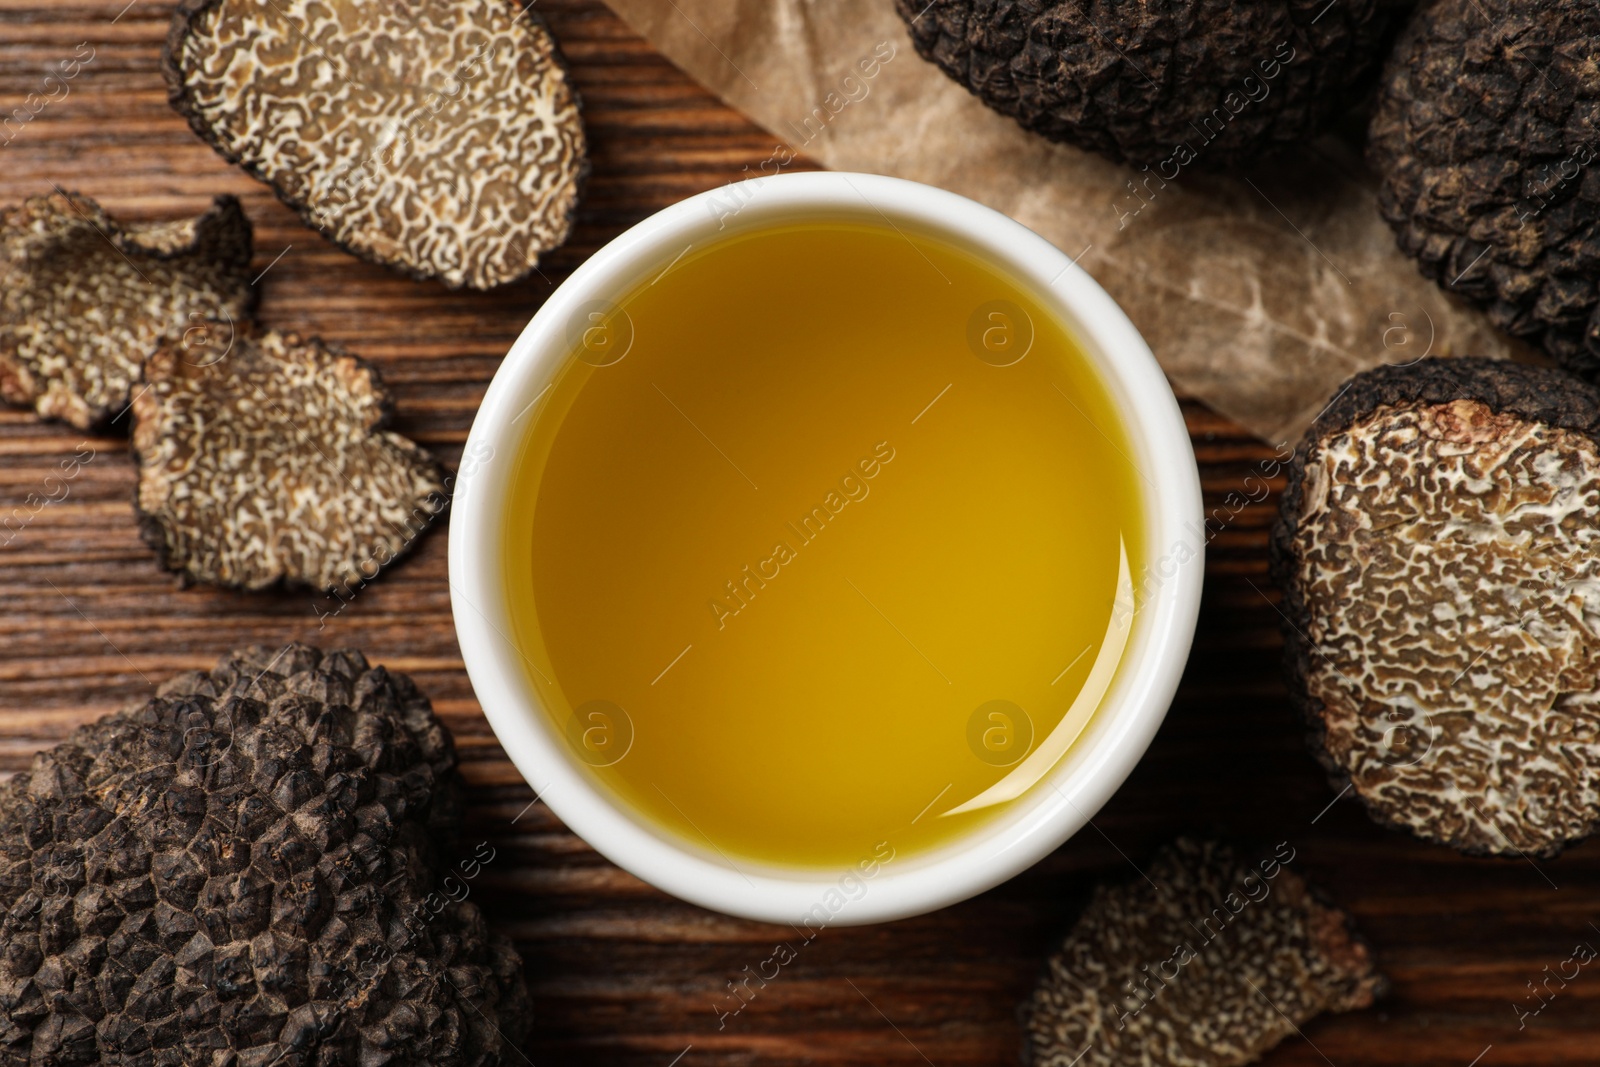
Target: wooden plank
[{"x": 622, "y": 974}]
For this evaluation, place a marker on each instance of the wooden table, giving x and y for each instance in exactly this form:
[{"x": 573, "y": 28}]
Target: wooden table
[{"x": 620, "y": 973}]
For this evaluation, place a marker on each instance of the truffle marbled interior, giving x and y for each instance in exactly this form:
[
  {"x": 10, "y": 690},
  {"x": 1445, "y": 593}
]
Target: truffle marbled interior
[
  {"x": 1448, "y": 562},
  {"x": 442, "y": 138}
]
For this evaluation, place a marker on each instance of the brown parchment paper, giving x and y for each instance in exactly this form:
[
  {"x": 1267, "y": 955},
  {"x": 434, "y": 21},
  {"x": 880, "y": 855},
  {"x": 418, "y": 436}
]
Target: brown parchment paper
[{"x": 1260, "y": 293}]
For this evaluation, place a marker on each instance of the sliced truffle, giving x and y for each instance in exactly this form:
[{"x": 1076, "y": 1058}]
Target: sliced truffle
[
  {"x": 271, "y": 465},
  {"x": 1207, "y": 961},
  {"x": 84, "y": 298},
  {"x": 439, "y": 138},
  {"x": 1485, "y": 138},
  {"x": 1208, "y": 84},
  {"x": 242, "y": 872},
  {"x": 1438, "y": 551}
]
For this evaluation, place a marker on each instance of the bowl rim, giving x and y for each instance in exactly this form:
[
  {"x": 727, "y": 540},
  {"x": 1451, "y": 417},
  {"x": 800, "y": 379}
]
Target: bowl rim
[{"x": 877, "y": 889}]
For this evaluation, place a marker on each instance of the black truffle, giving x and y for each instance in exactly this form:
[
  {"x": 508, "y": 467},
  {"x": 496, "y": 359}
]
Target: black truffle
[
  {"x": 1199, "y": 83},
  {"x": 1485, "y": 136},
  {"x": 269, "y": 463},
  {"x": 441, "y": 138},
  {"x": 1205, "y": 961},
  {"x": 1438, "y": 551},
  {"x": 85, "y": 298},
  {"x": 240, "y": 872}
]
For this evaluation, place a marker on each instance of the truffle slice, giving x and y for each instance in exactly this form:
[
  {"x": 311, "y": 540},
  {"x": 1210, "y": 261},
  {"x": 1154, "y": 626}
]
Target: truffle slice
[
  {"x": 1206, "y": 962},
  {"x": 1207, "y": 84},
  {"x": 84, "y": 299},
  {"x": 271, "y": 465},
  {"x": 1438, "y": 551},
  {"x": 1485, "y": 137},
  {"x": 242, "y": 872},
  {"x": 439, "y": 138}
]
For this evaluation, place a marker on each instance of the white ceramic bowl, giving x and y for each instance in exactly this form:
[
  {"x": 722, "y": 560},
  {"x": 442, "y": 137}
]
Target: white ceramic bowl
[{"x": 1100, "y": 759}]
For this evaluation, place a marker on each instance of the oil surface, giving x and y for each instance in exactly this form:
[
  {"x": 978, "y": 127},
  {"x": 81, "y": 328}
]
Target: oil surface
[{"x": 815, "y": 540}]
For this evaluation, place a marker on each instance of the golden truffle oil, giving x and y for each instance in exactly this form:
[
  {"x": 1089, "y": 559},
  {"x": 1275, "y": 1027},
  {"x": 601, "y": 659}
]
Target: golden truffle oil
[{"x": 821, "y": 543}]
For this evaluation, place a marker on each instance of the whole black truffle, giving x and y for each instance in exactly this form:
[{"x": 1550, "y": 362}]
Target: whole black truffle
[
  {"x": 1485, "y": 136},
  {"x": 1438, "y": 551},
  {"x": 239, "y": 873},
  {"x": 1209, "y": 960},
  {"x": 1203, "y": 83}
]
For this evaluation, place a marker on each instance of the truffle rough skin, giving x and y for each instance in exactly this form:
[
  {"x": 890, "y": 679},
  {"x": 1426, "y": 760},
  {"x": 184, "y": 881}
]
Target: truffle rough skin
[
  {"x": 1206, "y": 962},
  {"x": 84, "y": 299},
  {"x": 269, "y": 464},
  {"x": 240, "y": 872},
  {"x": 1439, "y": 557},
  {"x": 1202, "y": 83},
  {"x": 442, "y": 139},
  {"x": 1485, "y": 138}
]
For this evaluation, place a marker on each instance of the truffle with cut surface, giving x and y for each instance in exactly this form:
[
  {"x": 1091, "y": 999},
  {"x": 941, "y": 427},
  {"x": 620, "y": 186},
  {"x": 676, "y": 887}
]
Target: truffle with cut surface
[
  {"x": 1439, "y": 558},
  {"x": 84, "y": 298},
  {"x": 1485, "y": 138},
  {"x": 270, "y": 464},
  {"x": 1205, "y": 961},
  {"x": 242, "y": 872},
  {"x": 1207, "y": 84},
  {"x": 440, "y": 138}
]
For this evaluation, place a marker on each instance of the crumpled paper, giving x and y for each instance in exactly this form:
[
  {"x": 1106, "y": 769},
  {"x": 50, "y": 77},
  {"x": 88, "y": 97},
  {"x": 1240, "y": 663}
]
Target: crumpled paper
[{"x": 1260, "y": 293}]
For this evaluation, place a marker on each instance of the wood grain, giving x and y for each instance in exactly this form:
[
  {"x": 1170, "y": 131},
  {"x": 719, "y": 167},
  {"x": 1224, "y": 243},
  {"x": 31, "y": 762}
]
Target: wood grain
[{"x": 622, "y": 974}]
